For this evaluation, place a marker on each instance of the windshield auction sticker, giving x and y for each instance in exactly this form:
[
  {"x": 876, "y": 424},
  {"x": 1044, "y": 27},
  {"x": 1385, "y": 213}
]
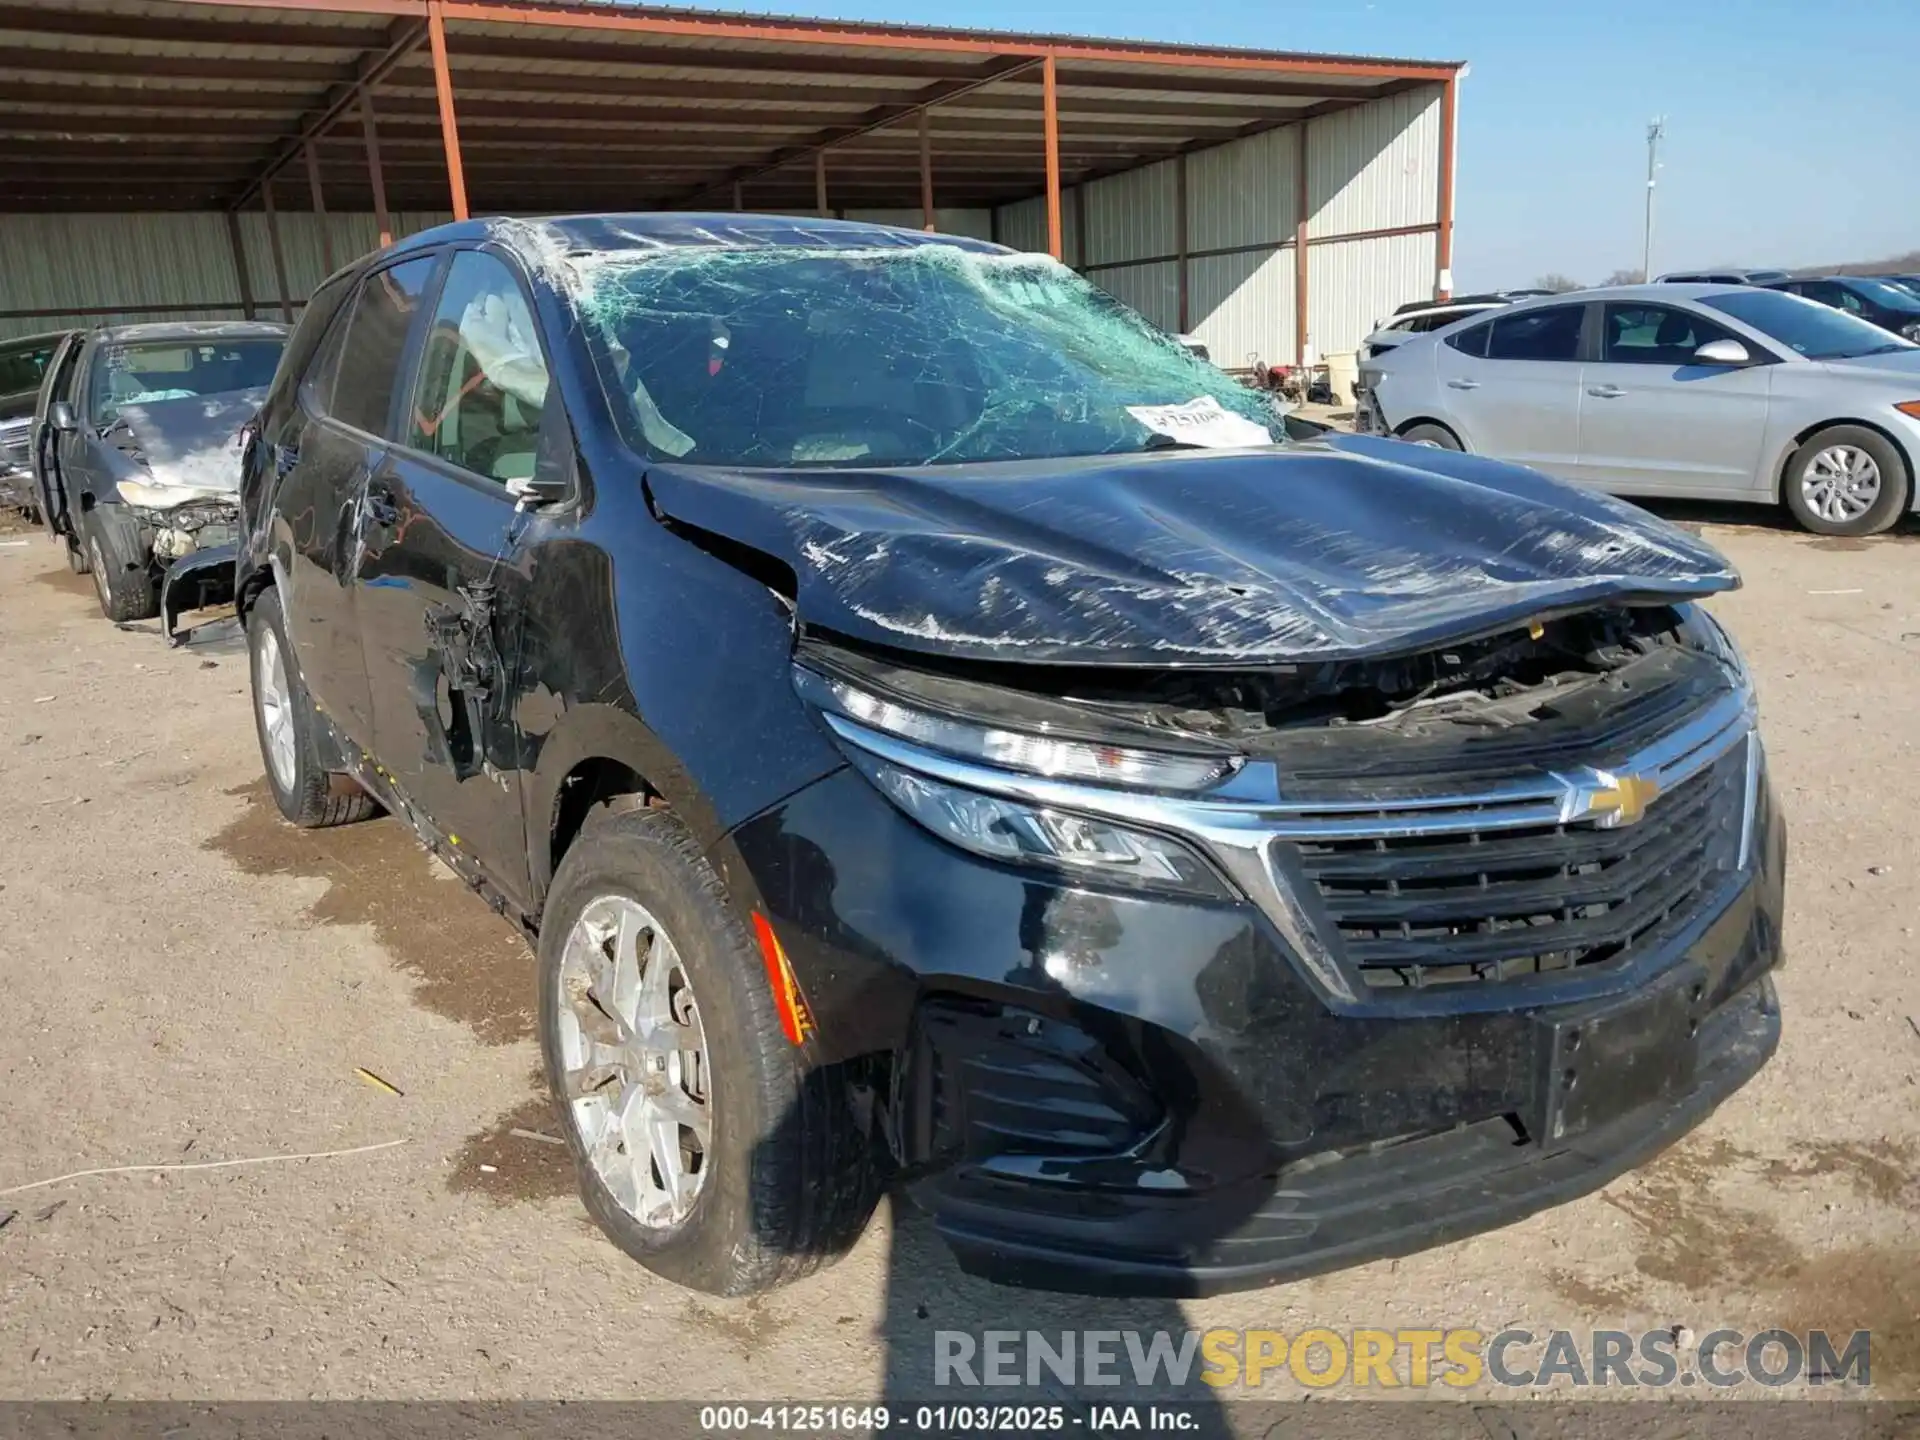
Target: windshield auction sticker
[{"x": 1201, "y": 422}]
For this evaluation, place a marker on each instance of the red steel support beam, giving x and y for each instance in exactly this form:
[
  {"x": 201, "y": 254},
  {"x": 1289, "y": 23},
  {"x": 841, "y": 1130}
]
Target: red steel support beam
[
  {"x": 1301, "y": 201},
  {"x": 1050, "y": 101},
  {"x": 926, "y": 171},
  {"x": 319, "y": 206},
  {"x": 371, "y": 132},
  {"x": 1443, "y": 250},
  {"x": 820, "y": 183},
  {"x": 279, "y": 256},
  {"x": 1180, "y": 238},
  {"x": 239, "y": 243},
  {"x": 443, "y": 89}
]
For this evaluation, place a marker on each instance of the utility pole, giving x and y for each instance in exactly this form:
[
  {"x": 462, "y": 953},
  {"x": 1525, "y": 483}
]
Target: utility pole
[{"x": 1656, "y": 132}]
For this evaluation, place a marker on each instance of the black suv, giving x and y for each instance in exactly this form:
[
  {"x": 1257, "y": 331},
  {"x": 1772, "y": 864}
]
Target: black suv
[{"x": 938, "y": 729}]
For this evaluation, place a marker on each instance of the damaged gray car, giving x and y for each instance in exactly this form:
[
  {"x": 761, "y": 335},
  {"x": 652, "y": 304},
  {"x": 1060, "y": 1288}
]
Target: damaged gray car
[{"x": 142, "y": 461}]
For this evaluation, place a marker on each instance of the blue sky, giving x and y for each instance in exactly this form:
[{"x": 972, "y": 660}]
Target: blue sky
[{"x": 1793, "y": 130}]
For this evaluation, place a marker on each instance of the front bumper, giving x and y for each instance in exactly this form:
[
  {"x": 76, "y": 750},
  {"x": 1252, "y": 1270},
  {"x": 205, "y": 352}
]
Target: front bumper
[
  {"x": 196, "y": 581},
  {"x": 1107, "y": 1092},
  {"x": 17, "y": 490}
]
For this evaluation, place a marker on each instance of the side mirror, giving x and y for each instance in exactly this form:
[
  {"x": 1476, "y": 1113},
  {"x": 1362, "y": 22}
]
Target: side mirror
[
  {"x": 60, "y": 415},
  {"x": 1722, "y": 352}
]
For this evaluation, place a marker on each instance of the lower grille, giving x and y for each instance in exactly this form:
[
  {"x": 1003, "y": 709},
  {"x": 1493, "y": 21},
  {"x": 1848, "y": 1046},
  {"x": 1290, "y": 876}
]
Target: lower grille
[
  {"x": 1502, "y": 904},
  {"x": 989, "y": 1080}
]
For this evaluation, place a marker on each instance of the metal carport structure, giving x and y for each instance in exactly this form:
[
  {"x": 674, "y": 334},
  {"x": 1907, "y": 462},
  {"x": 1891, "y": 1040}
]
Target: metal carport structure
[{"x": 264, "y": 110}]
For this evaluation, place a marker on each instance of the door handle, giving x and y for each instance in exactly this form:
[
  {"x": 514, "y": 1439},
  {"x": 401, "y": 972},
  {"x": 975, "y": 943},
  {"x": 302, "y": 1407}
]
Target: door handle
[
  {"x": 1463, "y": 384},
  {"x": 1606, "y": 392}
]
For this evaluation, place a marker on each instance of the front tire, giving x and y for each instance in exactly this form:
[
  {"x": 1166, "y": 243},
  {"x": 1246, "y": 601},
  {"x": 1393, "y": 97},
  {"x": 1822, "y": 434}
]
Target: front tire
[
  {"x": 705, "y": 1148},
  {"x": 125, "y": 594},
  {"x": 288, "y": 726},
  {"x": 1847, "y": 480}
]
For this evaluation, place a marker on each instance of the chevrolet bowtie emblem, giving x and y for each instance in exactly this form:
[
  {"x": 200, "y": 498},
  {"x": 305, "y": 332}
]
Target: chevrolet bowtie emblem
[{"x": 1621, "y": 799}]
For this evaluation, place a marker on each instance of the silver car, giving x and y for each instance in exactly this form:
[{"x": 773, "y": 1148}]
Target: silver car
[{"x": 1713, "y": 392}]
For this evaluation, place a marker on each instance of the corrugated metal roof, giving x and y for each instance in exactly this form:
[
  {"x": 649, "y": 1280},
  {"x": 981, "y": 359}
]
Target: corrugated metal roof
[{"x": 185, "y": 104}]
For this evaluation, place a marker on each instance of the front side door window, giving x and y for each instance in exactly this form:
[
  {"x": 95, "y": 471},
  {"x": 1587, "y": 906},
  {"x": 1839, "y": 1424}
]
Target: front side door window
[
  {"x": 1655, "y": 335},
  {"x": 483, "y": 379}
]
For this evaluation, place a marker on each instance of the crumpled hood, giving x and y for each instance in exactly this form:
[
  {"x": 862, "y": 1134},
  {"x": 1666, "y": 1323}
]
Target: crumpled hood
[
  {"x": 1343, "y": 548},
  {"x": 189, "y": 448}
]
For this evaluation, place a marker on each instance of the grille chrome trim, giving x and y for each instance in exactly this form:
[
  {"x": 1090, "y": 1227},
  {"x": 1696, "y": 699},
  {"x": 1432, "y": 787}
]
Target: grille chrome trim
[{"x": 1236, "y": 822}]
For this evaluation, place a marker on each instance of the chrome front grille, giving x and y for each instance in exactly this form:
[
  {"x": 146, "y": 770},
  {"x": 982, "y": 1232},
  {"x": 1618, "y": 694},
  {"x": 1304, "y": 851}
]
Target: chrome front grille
[
  {"x": 1480, "y": 905},
  {"x": 1386, "y": 886}
]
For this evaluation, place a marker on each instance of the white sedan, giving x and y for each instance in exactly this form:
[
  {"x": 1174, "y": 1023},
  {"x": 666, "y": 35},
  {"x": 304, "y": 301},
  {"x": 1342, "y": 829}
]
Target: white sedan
[{"x": 1717, "y": 392}]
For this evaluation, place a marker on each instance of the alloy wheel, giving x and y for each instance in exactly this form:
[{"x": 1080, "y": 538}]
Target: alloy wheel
[
  {"x": 275, "y": 698},
  {"x": 634, "y": 1061},
  {"x": 1840, "y": 484}
]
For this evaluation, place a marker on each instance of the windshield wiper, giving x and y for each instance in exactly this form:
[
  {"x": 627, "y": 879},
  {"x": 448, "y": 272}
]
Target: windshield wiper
[
  {"x": 1876, "y": 350},
  {"x": 1157, "y": 441}
]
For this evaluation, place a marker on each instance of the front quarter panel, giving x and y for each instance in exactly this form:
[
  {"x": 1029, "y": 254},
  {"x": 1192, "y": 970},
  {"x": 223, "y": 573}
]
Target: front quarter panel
[
  {"x": 1808, "y": 395},
  {"x": 643, "y": 649}
]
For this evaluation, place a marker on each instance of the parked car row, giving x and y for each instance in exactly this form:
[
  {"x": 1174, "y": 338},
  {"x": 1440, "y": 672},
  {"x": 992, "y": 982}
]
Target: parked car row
[
  {"x": 1420, "y": 317},
  {"x": 133, "y": 449},
  {"x": 1722, "y": 277},
  {"x": 936, "y": 727},
  {"x": 1705, "y": 391}
]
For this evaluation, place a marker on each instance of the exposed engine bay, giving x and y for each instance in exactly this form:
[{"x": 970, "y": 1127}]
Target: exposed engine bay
[
  {"x": 181, "y": 530},
  {"x": 1567, "y": 672}
]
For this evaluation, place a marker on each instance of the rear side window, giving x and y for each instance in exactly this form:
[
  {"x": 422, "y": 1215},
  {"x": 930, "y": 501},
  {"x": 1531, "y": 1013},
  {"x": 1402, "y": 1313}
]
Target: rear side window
[
  {"x": 1549, "y": 334},
  {"x": 376, "y": 334},
  {"x": 483, "y": 379},
  {"x": 1472, "y": 340},
  {"x": 311, "y": 335}
]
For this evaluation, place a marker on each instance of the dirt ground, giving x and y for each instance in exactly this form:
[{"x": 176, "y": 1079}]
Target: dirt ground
[{"x": 185, "y": 980}]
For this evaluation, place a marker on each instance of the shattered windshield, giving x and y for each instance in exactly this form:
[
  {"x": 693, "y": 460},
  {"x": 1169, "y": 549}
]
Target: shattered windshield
[
  {"x": 147, "y": 371},
  {"x": 924, "y": 355}
]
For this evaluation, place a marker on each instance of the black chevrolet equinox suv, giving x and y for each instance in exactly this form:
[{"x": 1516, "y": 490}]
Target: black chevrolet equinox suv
[{"x": 940, "y": 732}]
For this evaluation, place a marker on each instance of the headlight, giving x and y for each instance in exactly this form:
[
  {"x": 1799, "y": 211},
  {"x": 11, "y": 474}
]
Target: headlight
[
  {"x": 1028, "y": 754},
  {"x": 1082, "y": 845},
  {"x": 894, "y": 744}
]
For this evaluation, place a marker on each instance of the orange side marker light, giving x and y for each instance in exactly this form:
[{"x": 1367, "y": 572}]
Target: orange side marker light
[{"x": 796, "y": 1021}]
